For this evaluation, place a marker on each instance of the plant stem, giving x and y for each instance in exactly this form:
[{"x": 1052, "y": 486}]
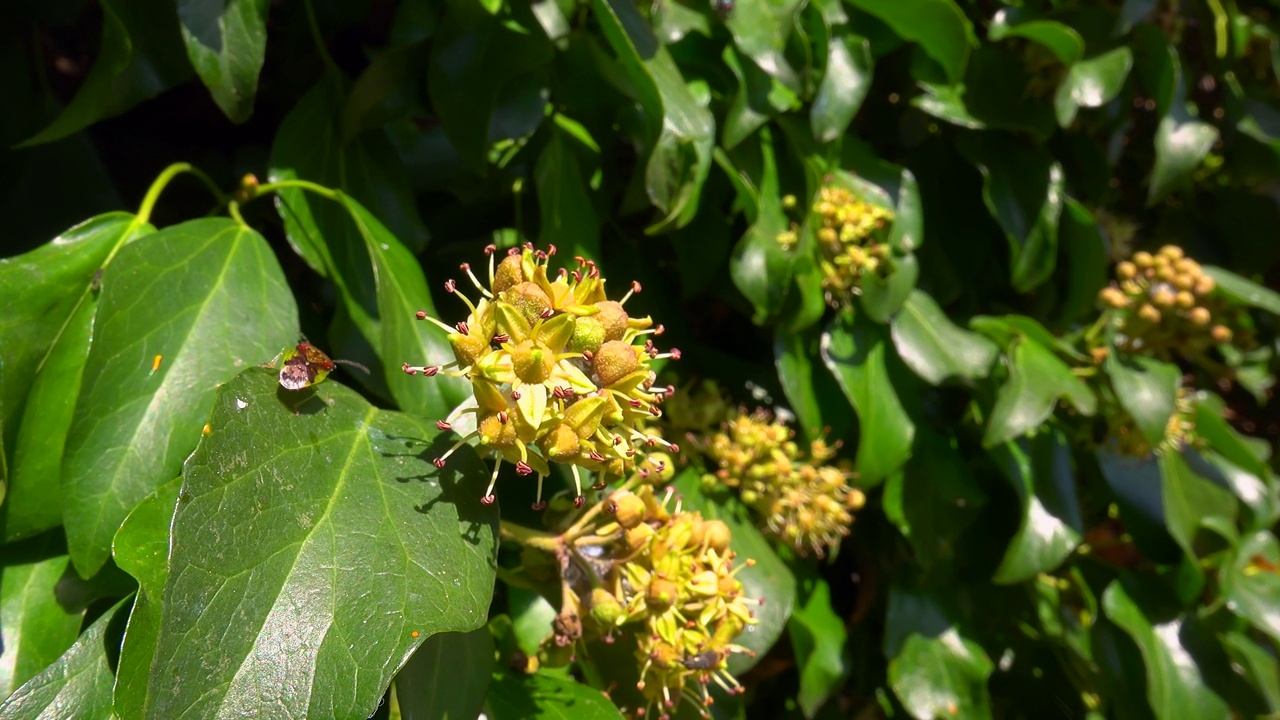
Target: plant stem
[
  {"x": 314, "y": 26},
  {"x": 163, "y": 180},
  {"x": 578, "y": 529},
  {"x": 529, "y": 537},
  {"x": 307, "y": 185}
]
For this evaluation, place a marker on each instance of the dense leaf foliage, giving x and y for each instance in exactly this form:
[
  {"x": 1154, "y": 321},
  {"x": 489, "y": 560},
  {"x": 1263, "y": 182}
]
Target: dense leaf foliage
[{"x": 972, "y": 414}]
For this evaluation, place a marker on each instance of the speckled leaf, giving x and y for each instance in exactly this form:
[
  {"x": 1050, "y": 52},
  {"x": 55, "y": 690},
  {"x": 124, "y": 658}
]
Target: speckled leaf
[
  {"x": 171, "y": 295},
  {"x": 314, "y": 537}
]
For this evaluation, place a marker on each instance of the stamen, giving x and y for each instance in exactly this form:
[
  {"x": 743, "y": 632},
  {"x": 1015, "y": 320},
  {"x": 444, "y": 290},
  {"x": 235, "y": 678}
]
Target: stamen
[
  {"x": 540, "y": 504},
  {"x": 442, "y": 425},
  {"x": 440, "y": 461},
  {"x": 489, "y": 497},
  {"x": 635, "y": 288}
]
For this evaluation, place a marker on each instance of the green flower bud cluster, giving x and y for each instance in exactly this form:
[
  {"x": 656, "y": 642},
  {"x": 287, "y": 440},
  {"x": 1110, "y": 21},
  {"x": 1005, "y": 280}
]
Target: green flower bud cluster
[
  {"x": 668, "y": 577},
  {"x": 805, "y": 501},
  {"x": 559, "y": 373},
  {"x": 1166, "y": 304},
  {"x": 850, "y": 241}
]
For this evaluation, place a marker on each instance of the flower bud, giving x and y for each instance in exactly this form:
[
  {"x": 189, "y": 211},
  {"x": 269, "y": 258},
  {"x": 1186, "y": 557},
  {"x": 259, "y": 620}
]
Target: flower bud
[
  {"x": 660, "y": 594},
  {"x": 605, "y": 608},
  {"x": 1163, "y": 298},
  {"x": 716, "y": 534},
  {"x": 1205, "y": 285},
  {"x": 532, "y": 362},
  {"x": 468, "y": 349},
  {"x": 1186, "y": 300},
  {"x": 1126, "y": 270},
  {"x": 630, "y": 510},
  {"x": 1142, "y": 260},
  {"x": 1221, "y": 334},
  {"x": 614, "y": 361},
  {"x": 1111, "y": 297},
  {"x": 1149, "y": 314},
  {"x": 529, "y": 299},
  {"x": 588, "y": 334},
  {"x": 1173, "y": 252},
  {"x": 560, "y": 444},
  {"x": 508, "y": 274},
  {"x": 613, "y": 318},
  {"x": 1199, "y": 316}
]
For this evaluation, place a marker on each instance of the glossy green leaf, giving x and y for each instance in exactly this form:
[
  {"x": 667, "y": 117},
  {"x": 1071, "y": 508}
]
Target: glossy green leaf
[
  {"x": 855, "y": 351},
  {"x": 935, "y": 668},
  {"x": 141, "y": 548},
  {"x": 1051, "y": 523},
  {"x": 140, "y": 57},
  {"x": 843, "y": 88},
  {"x": 1251, "y": 582},
  {"x": 759, "y": 97},
  {"x": 934, "y": 347},
  {"x": 1181, "y": 145},
  {"x": 171, "y": 294},
  {"x": 933, "y": 501},
  {"x": 768, "y": 578},
  {"x": 679, "y": 132},
  {"x": 1086, "y": 254},
  {"x": 44, "y": 341},
  {"x": 569, "y": 218},
  {"x": 939, "y": 26},
  {"x": 883, "y": 297},
  {"x": 227, "y": 43},
  {"x": 1147, "y": 389},
  {"x": 1058, "y": 38},
  {"x": 1256, "y": 663},
  {"x": 513, "y": 696},
  {"x": 447, "y": 677},
  {"x": 78, "y": 684},
  {"x": 1244, "y": 291},
  {"x": 401, "y": 291},
  {"x": 1190, "y": 501},
  {"x": 310, "y": 145},
  {"x": 475, "y": 57},
  {"x": 1037, "y": 380},
  {"x": 760, "y": 268},
  {"x": 811, "y": 391},
  {"x": 34, "y": 626},
  {"x": 1175, "y": 683},
  {"x": 760, "y": 31},
  {"x": 818, "y": 639},
  {"x": 1023, "y": 189},
  {"x": 348, "y": 507},
  {"x": 1092, "y": 83}
]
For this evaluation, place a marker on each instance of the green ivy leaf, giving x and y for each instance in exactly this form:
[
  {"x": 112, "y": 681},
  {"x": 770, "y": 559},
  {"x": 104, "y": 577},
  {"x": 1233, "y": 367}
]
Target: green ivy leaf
[
  {"x": 811, "y": 392},
  {"x": 1244, "y": 291},
  {"x": 1147, "y": 389},
  {"x": 768, "y": 579},
  {"x": 818, "y": 639},
  {"x": 1023, "y": 188},
  {"x": 1257, "y": 664},
  {"x": 854, "y": 350},
  {"x": 760, "y": 268},
  {"x": 44, "y": 342},
  {"x": 934, "y": 500},
  {"x": 679, "y": 132},
  {"x": 351, "y": 509},
  {"x": 140, "y": 57},
  {"x": 1175, "y": 683},
  {"x": 1181, "y": 144},
  {"x": 78, "y": 684},
  {"x": 883, "y": 297},
  {"x": 1251, "y": 582},
  {"x": 1085, "y": 250},
  {"x": 539, "y": 696},
  {"x": 935, "y": 669},
  {"x": 447, "y": 677},
  {"x": 227, "y": 43},
  {"x": 141, "y": 548},
  {"x": 475, "y": 58},
  {"x": 760, "y": 30},
  {"x": 1092, "y": 83},
  {"x": 170, "y": 294},
  {"x": 401, "y": 291},
  {"x": 1191, "y": 501},
  {"x": 1037, "y": 379},
  {"x": 934, "y": 347},
  {"x": 1051, "y": 522},
  {"x": 939, "y": 26},
  {"x": 843, "y": 88},
  {"x": 569, "y": 218},
  {"x": 1058, "y": 38},
  {"x": 34, "y": 626}
]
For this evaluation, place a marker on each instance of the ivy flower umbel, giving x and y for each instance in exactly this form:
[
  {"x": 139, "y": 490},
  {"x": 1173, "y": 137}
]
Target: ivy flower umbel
[
  {"x": 806, "y": 502},
  {"x": 668, "y": 576},
  {"x": 559, "y": 372},
  {"x": 850, "y": 240}
]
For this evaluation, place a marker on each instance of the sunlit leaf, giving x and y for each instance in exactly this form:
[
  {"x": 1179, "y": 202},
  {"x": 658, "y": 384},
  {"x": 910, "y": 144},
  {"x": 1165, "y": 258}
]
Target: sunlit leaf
[{"x": 227, "y": 43}]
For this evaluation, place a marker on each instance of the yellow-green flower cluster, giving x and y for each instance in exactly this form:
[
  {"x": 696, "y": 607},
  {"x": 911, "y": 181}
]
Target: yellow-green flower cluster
[
  {"x": 1166, "y": 304},
  {"x": 674, "y": 584},
  {"x": 849, "y": 239},
  {"x": 560, "y": 373},
  {"x": 807, "y": 502}
]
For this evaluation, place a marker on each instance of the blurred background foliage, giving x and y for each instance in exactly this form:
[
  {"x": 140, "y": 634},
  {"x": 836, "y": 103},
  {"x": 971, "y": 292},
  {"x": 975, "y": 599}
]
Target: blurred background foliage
[{"x": 930, "y": 233}]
